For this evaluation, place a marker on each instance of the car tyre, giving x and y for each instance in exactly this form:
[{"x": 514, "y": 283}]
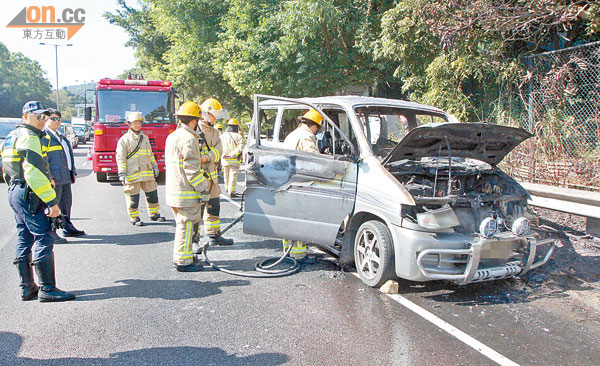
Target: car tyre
[
  {"x": 100, "y": 177},
  {"x": 374, "y": 253}
]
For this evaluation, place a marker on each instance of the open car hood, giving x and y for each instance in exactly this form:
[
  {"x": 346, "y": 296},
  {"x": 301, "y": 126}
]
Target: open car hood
[{"x": 485, "y": 142}]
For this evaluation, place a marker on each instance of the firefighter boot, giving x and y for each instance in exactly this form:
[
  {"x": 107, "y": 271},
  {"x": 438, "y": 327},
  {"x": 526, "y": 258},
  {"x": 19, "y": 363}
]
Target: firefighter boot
[
  {"x": 29, "y": 289},
  {"x": 217, "y": 239},
  {"x": 157, "y": 217},
  {"x": 196, "y": 266},
  {"x": 136, "y": 222},
  {"x": 44, "y": 268}
]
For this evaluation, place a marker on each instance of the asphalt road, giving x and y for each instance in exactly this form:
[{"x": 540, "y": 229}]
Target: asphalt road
[{"x": 133, "y": 308}]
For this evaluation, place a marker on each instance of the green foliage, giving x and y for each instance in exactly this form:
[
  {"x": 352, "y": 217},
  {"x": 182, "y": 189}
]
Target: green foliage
[
  {"x": 21, "y": 80},
  {"x": 458, "y": 55}
]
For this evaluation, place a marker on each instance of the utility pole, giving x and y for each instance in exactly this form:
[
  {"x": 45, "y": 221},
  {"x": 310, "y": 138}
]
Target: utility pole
[{"x": 56, "y": 60}]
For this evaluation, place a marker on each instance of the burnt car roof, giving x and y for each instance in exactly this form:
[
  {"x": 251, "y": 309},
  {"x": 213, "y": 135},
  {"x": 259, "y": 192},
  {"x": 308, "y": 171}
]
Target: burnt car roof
[
  {"x": 485, "y": 142},
  {"x": 353, "y": 101}
]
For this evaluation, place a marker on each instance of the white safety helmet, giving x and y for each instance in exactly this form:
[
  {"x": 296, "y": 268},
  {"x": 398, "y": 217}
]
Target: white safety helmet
[{"x": 135, "y": 116}]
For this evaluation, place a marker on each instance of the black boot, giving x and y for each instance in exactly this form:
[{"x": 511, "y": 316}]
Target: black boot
[
  {"x": 44, "y": 268},
  {"x": 29, "y": 289},
  {"x": 219, "y": 240}
]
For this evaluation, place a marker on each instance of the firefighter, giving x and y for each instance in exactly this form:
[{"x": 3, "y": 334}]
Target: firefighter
[
  {"x": 187, "y": 185},
  {"x": 211, "y": 151},
  {"x": 233, "y": 145},
  {"x": 138, "y": 170},
  {"x": 33, "y": 201},
  {"x": 303, "y": 138},
  {"x": 219, "y": 127}
]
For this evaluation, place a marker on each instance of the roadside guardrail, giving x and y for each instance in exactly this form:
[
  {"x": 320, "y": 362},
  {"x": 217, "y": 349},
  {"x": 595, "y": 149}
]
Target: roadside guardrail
[{"x": 573, "y": 201}]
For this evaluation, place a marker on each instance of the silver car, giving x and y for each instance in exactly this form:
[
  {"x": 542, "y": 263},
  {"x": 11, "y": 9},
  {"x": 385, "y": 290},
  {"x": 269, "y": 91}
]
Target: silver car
[{"x": 399, "y": 189}]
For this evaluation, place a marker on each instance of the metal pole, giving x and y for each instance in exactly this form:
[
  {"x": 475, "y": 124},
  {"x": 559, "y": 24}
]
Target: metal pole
[{"x": 56, "y": 60}]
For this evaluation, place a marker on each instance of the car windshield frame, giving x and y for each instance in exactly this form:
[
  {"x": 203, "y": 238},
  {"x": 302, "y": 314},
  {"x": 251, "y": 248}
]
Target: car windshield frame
[
  {"x": 119, "y": 103},
  {"x": 386, "y": 129}
]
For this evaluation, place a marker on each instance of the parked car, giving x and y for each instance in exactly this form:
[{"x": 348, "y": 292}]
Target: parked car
[
  {"x": 399, "y": 189},
  {"x": 78, "y": 121},
  {"x": 80, "y": 133},
  {"x": 7, "y": 124},
  {"x": 67, "y": 130}
]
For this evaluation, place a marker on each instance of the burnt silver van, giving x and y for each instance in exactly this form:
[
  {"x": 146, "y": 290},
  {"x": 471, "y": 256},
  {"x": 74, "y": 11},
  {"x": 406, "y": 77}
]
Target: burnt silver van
[{"x": 399, "y": 189}]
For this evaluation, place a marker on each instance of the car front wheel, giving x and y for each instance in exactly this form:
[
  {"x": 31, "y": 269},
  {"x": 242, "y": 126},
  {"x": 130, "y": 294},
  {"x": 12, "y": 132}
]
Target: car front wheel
[{"x": 374, "y": 253}]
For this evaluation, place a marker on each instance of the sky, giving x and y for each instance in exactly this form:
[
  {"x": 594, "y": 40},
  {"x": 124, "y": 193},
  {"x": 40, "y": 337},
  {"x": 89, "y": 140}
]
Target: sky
[{"x": 98, "y": 49}]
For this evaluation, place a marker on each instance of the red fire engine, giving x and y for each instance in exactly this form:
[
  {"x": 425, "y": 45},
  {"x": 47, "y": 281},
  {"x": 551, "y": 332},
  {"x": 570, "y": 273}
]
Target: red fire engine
[{"x": 115, "y": 99}]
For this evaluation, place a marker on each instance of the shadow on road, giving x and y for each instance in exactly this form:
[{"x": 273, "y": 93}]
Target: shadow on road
[
  {"x": 125, "y": 239},
  {"x": 12, "y": 342},
  {"x": 158, "y": 289}
]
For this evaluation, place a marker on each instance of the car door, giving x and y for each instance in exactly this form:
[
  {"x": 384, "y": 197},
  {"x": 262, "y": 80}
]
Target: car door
[{"x": 296, "y": 195}]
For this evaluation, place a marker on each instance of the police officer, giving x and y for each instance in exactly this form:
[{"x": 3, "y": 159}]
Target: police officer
[
  {"x": 138, "y": 169},
  {"x": 233, "y": 146},
  {"x": 62, "y": 171},
  {"x": 33, "y": 200},
  {"x": 303, "y": 138},
  {"x": 186, "y": 184},
  {"x": 211, "y": 151}
]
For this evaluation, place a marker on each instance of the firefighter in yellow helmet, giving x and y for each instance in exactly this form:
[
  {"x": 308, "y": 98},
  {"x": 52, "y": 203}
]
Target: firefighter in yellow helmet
[
  {"x": 219, "y": 127},
  {"x": 303, "y": 138},
  {"x": 186, "y": 184},
  {"x": 211, "y": 152},
  {"x": 233, "y": 146},
  {"x": 138, "y": 170}
]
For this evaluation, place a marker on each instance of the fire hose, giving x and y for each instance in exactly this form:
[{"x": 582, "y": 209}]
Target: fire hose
[{"x": 265, "y": 266}]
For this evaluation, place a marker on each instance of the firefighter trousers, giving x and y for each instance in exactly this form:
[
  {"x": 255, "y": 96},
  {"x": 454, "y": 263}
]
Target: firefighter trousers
[
  {"x": 230, "y": 175},
  {"x": 298, "y": 250},
  {"x": 185, "y": 220},
  {"x": 132, "y": 197}
]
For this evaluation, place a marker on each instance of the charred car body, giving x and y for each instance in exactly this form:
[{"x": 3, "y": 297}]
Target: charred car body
[{"x": 400, "y": 189}]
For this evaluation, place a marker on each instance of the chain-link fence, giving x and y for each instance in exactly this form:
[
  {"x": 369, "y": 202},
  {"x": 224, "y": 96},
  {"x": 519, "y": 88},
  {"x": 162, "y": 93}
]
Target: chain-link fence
[{"x": 561, "y": 94}]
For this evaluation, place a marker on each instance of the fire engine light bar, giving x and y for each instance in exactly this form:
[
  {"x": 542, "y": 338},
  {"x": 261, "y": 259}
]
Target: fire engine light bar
[{"x": 134, "y": 82}]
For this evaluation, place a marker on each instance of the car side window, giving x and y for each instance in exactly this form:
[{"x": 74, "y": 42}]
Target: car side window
[
  {"x": 289, "y": 122},
  {"x": 267, "y": 123}
]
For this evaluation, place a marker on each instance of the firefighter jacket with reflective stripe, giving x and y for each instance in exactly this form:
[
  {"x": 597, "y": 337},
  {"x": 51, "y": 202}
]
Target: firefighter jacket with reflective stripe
[
  {"x": 186, "y": 181},
  {"x": 302, "y": 139},
  {"x": 139, "y": 167},
  {"x": 57, "y": 159},
  {"x": 233, "y": 145},
  {"x": 213, "y": 150},
  {"x": 22, "y": 161}
]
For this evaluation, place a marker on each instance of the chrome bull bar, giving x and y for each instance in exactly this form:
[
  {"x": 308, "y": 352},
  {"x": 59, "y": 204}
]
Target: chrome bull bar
[{"x": 472, "y": 273}]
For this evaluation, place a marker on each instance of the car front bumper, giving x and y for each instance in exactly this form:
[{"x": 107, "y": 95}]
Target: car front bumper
[{"x": 423, "y": 256}]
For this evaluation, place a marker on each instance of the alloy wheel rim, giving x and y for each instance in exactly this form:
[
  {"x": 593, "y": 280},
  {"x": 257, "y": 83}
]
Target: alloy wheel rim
[{"x": 368, "y": 254}]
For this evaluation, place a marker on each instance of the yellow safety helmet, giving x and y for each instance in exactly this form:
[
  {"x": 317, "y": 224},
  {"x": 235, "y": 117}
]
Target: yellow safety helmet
[
  {"x": 135, "y": 116},
  {"x": 212, "y": 106},
  {"x": 218, "y": 126},
  {"x": 190, "y": 109},
  {"x": 233, "y": 122},
  {"x": 312, "y": 116}
]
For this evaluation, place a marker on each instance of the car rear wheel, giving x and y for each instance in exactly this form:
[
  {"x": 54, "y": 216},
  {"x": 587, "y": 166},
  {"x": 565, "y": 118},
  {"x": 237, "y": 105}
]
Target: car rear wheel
[
  {"x": 374, "y": 253},
  {"x": 100, "y": 177}
]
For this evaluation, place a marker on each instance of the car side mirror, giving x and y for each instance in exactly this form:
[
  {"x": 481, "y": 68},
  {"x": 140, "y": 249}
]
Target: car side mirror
[{"x": 88, "y": 113}]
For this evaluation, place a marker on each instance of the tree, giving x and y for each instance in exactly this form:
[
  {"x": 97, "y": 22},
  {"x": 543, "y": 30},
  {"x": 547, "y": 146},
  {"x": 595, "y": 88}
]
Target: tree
[
  {"x": 21, "y": 80},
  {"x": 459, "y": 55}
]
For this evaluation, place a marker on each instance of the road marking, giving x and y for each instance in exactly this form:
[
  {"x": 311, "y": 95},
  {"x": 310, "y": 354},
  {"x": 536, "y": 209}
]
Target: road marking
[
  {"x": 447, "y": 327},
  {"x": 450, "y": 329}
]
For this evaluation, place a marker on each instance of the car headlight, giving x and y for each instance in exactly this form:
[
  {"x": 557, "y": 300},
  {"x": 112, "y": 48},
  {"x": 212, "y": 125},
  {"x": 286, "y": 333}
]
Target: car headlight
[
  {"x": 520, "y": 226},
  {"x": 488, "y": 227},
  {"x": 442, "y": 218}
]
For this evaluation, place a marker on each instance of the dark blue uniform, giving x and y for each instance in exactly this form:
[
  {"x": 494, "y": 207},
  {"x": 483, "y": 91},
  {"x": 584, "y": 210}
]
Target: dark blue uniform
[
  {"x": 63, "y": 177},
  {"x": 29, "y": 191}
]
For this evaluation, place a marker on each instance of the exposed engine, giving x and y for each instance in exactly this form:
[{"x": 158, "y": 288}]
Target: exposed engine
[{"x": 464, "y": 189}]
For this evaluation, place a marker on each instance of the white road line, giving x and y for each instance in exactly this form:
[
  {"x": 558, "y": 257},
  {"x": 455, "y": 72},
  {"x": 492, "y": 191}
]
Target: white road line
[
  {"x": 450, "y": 329},
  {"x": 447, "y": 327}
]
